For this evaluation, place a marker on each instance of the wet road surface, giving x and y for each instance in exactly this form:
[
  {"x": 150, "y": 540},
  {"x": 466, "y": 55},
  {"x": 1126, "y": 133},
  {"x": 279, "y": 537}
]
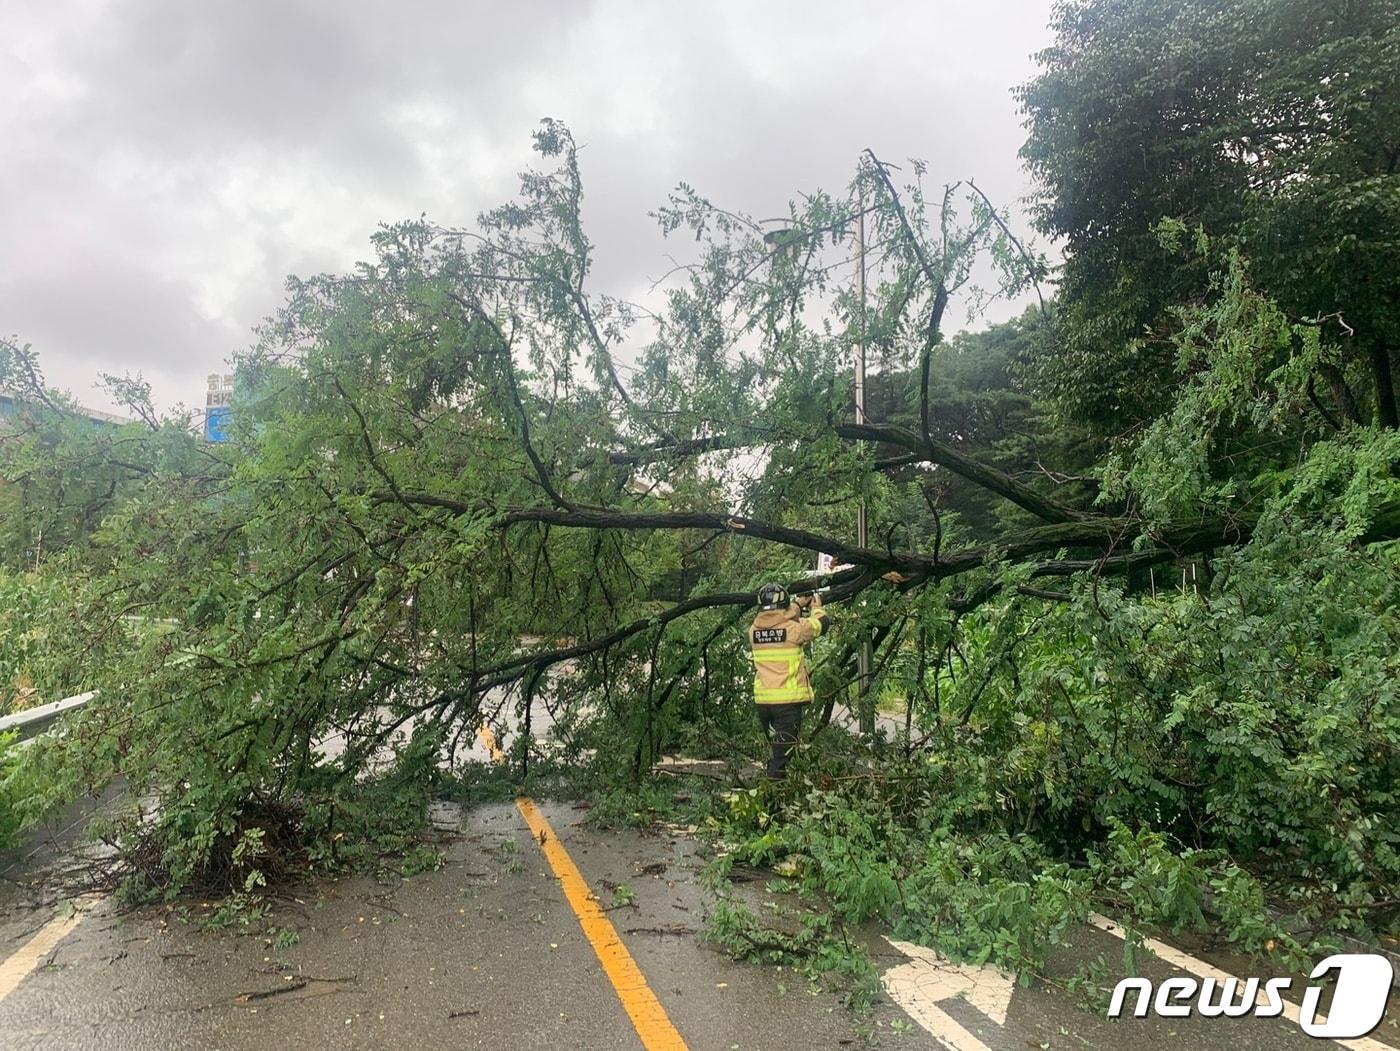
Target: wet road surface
[{"x": 487, "y": 952}]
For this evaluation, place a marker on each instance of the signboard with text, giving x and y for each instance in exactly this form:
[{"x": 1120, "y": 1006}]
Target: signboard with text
[{"x": 218, "y": 410}]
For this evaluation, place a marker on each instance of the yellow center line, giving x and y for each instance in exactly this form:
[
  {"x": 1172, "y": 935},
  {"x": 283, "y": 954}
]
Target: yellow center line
[
  {"x": 649, "y": 1018},
  {"x": 28, "y": 956},
  {"x": 488, "y": 738}
]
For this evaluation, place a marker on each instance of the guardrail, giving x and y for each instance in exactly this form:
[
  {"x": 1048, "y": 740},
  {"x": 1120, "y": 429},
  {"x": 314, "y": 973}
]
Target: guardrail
[{"x": 33, "y": 721}]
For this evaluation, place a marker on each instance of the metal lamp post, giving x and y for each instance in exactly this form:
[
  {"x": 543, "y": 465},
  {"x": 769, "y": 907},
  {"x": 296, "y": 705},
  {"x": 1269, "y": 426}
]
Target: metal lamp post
[{"x": 865, "y": 703}]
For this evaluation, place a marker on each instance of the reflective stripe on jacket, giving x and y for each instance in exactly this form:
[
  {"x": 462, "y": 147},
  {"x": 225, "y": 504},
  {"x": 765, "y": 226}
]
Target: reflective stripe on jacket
[{"x": 776, "y": 638}]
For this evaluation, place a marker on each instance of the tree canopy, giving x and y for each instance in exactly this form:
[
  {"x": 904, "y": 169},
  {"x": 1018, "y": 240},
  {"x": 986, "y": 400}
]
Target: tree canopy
[
  {"x": 1131, "y": 569},
  {"x": 1272, "y": 125}
]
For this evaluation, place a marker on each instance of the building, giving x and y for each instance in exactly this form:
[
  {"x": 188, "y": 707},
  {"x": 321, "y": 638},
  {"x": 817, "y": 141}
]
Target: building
[{"x": 218, "y": 407}]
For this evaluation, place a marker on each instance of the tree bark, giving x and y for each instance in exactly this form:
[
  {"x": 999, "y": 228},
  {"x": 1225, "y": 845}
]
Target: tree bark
[
  {"x": 1341, "y": 393},
  {"x": 1386, "y": 414}
]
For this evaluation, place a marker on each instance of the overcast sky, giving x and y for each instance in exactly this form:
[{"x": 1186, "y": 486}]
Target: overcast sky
[{"x": 166, "y": 165}]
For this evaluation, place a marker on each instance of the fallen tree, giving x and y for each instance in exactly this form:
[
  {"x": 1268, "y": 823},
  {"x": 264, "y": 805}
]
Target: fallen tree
[{"x": 448, "y": 452}]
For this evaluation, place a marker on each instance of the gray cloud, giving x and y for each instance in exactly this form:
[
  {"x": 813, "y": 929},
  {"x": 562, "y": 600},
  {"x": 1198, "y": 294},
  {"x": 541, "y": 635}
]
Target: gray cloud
[{"x": 167, "y": 164}]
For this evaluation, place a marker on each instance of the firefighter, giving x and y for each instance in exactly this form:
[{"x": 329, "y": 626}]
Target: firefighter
[{"x": 781, "y": 684}]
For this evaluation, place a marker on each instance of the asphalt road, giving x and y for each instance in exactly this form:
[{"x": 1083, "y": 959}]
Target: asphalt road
[
  {"x": 488, "y": 952},
  {"x": 484, "y": 952}
]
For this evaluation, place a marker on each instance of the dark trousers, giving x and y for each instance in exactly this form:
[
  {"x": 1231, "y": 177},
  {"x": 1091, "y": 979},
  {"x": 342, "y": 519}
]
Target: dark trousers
[{"x": 781, "y": 724}]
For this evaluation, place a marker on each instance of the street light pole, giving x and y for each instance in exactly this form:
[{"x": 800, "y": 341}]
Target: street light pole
[{"x": 865, "y": 703}]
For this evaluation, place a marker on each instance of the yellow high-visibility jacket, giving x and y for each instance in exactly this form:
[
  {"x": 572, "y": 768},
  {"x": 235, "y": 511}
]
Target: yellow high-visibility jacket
[{"x": 780, "y": 669}]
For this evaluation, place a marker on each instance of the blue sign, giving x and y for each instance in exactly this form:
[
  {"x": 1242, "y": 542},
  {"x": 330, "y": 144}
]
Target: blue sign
[{"x": 216, "y": 423}]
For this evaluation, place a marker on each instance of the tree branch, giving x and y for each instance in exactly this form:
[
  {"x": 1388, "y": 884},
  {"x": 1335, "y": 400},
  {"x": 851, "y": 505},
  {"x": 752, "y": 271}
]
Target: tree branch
[
  {"x": 922, "y": 449},
  {"x": 966, "y": 467}
]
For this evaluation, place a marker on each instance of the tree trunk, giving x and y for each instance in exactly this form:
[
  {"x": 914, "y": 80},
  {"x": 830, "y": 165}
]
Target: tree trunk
[
  {"x": 1386, "y": 414},
  {"x": 1341, "y": 393}
]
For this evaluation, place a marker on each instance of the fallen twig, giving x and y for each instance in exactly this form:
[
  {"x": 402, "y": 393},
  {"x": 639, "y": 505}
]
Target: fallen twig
[{"x": 263, "y": 994}]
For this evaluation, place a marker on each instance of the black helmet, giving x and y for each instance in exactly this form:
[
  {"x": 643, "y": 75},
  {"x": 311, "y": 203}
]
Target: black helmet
[{"x": 772, "y": 596}]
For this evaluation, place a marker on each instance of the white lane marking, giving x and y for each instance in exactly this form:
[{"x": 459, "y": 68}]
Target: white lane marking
[
  {"x": 984, "y": 987},
  {"x": 28, "y": 956},
  {"x": 929, "y": 979},
  {"x": 1201, "y": 969}
]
